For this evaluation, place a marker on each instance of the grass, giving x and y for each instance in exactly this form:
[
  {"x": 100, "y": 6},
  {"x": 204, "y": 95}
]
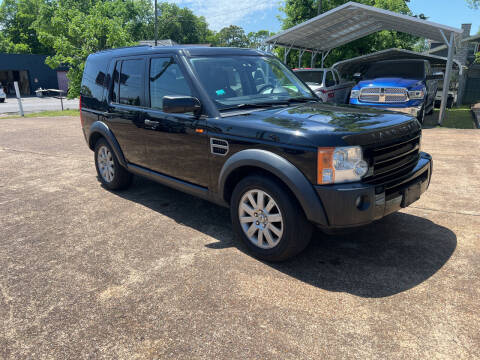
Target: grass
[
  {"x": 46, "y": 114},
  {"x": 458, "y": 118}
]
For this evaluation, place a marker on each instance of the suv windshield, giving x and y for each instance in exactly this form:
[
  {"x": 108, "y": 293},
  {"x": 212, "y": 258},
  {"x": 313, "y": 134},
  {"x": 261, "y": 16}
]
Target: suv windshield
[
  {"x": 248, "y": 80},
  {"x": 313, "y": 77},
  {"x": 396, "y": 69}
]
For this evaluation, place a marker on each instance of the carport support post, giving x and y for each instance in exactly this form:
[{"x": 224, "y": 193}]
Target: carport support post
[
  {"x": 19, "y": 99},
  {"x": 300, "y": 58},
  {"x": 312, "y": 60},
  {"x": 446, "y": 80}
]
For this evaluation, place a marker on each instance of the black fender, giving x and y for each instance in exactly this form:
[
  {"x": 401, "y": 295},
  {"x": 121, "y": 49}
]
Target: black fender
[
  {"x": 99, "y": 127},
  {"x": 285, "y": 171}
]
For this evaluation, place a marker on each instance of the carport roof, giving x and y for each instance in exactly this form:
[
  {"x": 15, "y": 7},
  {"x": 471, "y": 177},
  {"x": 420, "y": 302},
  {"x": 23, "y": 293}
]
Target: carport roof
[
  {"x": 353, "y": 21},
  {"x": 356, "y": 64}
]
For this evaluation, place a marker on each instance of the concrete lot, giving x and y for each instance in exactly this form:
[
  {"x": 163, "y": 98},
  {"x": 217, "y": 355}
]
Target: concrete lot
[
  {"x": 35, "y": 104},
  {"x": 153, "y": 273}
]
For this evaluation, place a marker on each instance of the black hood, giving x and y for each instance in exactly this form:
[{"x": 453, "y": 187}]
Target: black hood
[{"x": 320, "y": 124}]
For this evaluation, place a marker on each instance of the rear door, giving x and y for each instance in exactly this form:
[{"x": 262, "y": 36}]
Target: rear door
[
  {"x": 126, "y": 108},
  {"x": 176, "y": 144}
]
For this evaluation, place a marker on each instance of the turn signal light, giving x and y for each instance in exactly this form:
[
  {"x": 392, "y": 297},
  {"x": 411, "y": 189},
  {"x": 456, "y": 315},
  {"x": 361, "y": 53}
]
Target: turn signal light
[{"x": 325, "y": 169}]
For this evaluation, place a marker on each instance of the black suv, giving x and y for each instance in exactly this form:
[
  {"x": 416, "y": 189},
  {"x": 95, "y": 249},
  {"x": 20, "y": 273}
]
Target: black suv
[{"x": 237, "y": 127}]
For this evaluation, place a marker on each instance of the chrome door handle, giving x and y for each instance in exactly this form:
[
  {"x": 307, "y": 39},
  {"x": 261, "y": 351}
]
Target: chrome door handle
[{"x": 151, "y": 123}]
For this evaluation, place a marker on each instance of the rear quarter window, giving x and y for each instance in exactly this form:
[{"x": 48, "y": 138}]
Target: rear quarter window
[{"x": 94, "y": 82}]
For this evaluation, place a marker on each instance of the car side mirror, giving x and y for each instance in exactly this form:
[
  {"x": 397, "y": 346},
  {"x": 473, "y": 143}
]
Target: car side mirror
[
  {"x": 435, "y": 76},
  {"x": 181, "y": 105},
  {"x": 357, "y": 76}
]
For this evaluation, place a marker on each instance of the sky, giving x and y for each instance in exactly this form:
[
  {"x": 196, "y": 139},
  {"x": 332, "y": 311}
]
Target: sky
[{"x": 254, "y": 15}]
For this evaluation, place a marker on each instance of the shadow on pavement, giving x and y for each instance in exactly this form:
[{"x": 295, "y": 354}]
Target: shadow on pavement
[{"x": 381, "y": 259}]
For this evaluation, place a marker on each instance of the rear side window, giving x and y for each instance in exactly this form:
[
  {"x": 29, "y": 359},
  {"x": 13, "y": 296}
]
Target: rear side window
[
  {"x": 166, "y": 78},
  {"x": 131, "y": 87}
]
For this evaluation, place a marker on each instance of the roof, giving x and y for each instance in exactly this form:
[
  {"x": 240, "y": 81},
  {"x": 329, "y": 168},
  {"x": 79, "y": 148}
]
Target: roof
[
  {"x": 359, "y": 63},
  {"x": 184, "y": 49},
  {"x": 163, "y": 42},
  {"x": 353, "y": 21}
]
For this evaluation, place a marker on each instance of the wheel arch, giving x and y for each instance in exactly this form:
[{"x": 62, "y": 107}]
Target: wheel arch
[
  {"x": 100, "y": 130},
  {"x": 250, "y": 161}
]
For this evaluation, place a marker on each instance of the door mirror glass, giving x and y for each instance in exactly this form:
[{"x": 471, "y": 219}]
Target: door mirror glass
[
  {"x": 435, "y": 76},
  {"x": 181, "y": 104}
]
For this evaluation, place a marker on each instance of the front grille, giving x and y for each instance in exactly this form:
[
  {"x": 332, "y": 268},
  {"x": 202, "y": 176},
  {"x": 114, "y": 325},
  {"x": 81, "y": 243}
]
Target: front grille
[
  {"x": 384, "y": 95},
  {"x": 390, "y": 162}
]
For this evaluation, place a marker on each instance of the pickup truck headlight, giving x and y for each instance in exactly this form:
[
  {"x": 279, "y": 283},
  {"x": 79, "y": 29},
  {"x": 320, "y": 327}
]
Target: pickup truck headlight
[
  {"x": 340, "y": 165},
  {"x": 416, "y": 94},
  {"x": 354, "y": 94}
]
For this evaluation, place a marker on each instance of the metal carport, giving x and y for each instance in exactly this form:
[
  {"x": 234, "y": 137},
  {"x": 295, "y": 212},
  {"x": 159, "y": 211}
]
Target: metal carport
[
  {"x": 358, "y": 64},
  {"x": 353, "y": 21}
]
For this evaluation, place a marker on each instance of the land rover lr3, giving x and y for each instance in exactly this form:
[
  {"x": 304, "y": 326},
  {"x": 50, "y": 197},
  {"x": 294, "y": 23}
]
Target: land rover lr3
[{"x": 237, "y": 127}]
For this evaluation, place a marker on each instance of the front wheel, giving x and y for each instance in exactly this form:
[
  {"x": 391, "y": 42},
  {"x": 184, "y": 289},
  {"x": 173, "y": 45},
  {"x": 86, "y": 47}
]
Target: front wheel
[
  {"x": 269, "y": 219},
  {"x": 2, "y": 100},
  {"x": 110, "y": 173}
]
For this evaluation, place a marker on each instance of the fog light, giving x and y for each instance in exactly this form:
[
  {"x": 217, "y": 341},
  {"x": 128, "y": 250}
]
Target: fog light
[{"x": 361, "y": 168}]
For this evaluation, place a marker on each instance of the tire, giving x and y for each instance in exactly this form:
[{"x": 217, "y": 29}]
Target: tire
[
  {"x": 421, "y": 116},
  {"x": 284, "y": 227},
  {"x": 2, "y": 100},
  {"x": 110, "y": 173}
]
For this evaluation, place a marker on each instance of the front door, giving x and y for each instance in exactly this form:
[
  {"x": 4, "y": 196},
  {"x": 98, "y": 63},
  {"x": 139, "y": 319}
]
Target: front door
[
  {"x": 126, "y": 107},
  {"x": 176, "y": 144}
]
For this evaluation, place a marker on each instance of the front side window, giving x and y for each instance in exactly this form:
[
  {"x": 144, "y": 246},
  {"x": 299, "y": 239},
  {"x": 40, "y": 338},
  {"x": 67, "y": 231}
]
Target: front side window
[
  {"x": 131, "y": 82},
  {"x": 244, "y": 80},
  {"x": 166, "y": 78}
]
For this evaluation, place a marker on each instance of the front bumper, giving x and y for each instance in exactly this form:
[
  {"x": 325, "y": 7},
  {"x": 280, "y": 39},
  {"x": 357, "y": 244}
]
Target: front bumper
[{"x": 357, "y": 204}]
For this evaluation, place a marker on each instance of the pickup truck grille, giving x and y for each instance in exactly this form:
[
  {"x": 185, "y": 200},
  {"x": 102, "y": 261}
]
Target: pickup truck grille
[
  {"x": 390, "y": 162},
  {"x": 384, "y": 95}
]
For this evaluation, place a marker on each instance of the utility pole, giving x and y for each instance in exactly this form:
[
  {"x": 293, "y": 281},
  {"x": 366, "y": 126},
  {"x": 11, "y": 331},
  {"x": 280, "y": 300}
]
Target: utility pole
[
  {"x": 319, "y": 11},
  {"x": 156, "y": 24}
]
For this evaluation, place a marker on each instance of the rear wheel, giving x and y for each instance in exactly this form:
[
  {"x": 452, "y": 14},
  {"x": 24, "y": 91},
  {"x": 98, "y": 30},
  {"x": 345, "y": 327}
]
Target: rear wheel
[
  {"x": 111, "y": 174},
  {"x": 2, "y": 100},
  {"x": 268, "y": 219}
]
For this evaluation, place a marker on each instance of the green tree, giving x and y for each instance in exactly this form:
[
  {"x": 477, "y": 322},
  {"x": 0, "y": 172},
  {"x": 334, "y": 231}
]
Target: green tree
[
  {"x": 256, "y": 40},
  {"x": 76, "y": 28},
  {"x": 231, "y": 36},
  {"x": 181, "y": 25},
  {"x": 298, "y": 11},
  {"x": 18, "y": 35}
]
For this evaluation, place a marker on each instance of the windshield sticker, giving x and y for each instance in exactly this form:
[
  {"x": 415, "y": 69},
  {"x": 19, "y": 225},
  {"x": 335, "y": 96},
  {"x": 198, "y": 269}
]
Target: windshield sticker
[{"x": 220, "y": 92}]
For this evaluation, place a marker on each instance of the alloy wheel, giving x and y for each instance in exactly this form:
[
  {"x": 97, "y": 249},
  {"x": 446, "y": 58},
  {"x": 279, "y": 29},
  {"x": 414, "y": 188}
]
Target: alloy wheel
[
  {"x": 106, "y": 164},
  {"x": 260, "y": 218}
]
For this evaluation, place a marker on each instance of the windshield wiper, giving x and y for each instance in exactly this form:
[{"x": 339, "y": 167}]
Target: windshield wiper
[
  {"x": 268, "y": 104},
  {"x": 252, "y": 106}
]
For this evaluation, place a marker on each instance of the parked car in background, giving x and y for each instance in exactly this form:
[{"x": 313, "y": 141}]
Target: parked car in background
[
  {"x": 238, "y": 128},
  {"x": 407, "y": 86},
  {"x": 326, "y": 83},
  {"x": 3, "y": 96}
]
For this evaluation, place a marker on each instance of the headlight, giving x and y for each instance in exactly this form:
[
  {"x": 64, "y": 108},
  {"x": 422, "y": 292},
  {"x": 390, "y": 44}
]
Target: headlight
[
  {"x": 340, "y": 165},
  {"x": 354, "y": 94},
  {"x": 416, "y": 94}
]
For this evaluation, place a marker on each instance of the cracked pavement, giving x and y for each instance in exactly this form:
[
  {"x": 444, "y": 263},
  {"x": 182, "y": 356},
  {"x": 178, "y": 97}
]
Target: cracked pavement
[{"x": 152, "y": 273}]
